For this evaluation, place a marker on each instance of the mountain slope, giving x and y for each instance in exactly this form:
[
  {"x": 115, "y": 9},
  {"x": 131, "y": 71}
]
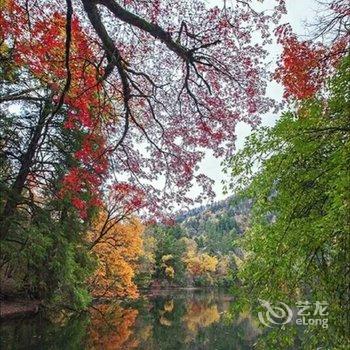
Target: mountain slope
[{"x": 215, "y": 227}]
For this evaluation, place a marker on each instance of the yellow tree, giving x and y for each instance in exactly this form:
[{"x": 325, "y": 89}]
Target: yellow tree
[
  {"x": 199, "y": 264},
  {"x": 167, "y": 265},
  {"x": 116, "y": 243}
]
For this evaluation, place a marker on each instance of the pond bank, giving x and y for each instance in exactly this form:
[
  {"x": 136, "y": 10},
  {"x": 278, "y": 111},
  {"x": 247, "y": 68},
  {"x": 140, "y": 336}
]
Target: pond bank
[{"x": 18, "y": 308}]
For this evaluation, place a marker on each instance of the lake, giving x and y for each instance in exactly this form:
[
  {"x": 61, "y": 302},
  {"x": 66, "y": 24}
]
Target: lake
[{"x": 186, "y": 319}]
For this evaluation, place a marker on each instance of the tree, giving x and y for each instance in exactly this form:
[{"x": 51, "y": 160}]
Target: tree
[
  {"x": 296, "y": 173},
  {"x": 117, "y": 253},
  {"x": 39, "y": 68},
  {"x": 147, "y": 261},
  {"x": 43, "y": 255},
  {"x": 90, "y": 55},
  {"x": 169, "y": 271},
  {"x": 200, "y": 266},
  {"x": 168, "y": 254},
  {"x": 297, "y": 244},
  {"x": 304, "y": 65}
]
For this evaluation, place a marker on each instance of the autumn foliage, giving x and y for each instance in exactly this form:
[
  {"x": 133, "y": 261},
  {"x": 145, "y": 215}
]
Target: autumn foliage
[
  {"x": 89, "y": 119},
  {"x": 305, "y": 65},
  {"x": 117, "y": 246},
  {"x": 199, "y": 264},
  {"x": 109, "y": 89},
  {"x": 39, "y": 48}
]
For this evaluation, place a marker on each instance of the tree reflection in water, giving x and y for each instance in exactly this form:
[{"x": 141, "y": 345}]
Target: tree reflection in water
[
  {"x": 179, "y": 321},
  {"x": 183, "y": 320},
  {"x": 111, "y": 327}
]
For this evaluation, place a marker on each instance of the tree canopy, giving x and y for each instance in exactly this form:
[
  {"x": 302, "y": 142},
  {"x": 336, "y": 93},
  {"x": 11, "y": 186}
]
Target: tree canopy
[
  {"x": 297, "y": 243},
  {"x": 97, "y": 64}
]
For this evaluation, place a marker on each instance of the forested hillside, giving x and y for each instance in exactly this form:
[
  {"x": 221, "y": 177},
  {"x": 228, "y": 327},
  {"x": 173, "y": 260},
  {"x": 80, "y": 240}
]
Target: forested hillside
[
  {"x": 229, "y": 215},
  {"x": 199, "y": 249}
]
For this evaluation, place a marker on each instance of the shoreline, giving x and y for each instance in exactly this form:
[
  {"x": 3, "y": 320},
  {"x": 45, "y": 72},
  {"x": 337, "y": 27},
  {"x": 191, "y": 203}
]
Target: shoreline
[{"x": 10, "y": 309}]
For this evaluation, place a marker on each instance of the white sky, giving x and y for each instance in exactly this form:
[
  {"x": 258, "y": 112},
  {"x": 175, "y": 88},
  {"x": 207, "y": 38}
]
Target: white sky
[{"x": 299, "y": 12}]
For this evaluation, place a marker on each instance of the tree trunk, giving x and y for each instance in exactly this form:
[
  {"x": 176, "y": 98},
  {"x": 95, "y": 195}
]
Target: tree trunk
[{"x": 27, "y": 160}]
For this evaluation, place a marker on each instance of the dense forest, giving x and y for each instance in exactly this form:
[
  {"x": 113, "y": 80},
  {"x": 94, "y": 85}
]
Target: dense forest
[
  {"x": 108, "y": 108},
  {"x": 198, "y": 250}
]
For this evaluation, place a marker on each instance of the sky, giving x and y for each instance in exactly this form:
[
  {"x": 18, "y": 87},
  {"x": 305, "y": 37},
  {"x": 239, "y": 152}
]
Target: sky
[{"x": 299, "y": 12}]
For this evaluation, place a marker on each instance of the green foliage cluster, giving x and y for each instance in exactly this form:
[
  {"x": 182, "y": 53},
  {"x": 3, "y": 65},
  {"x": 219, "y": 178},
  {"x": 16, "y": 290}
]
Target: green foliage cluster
[
  {"x": 169, "y": 244},
  {"x": 297, "y": 172},
  {"x": 166, "y": 243},
  {"x": 43, "y": 254},
  {"x": 49, "y": 262}
]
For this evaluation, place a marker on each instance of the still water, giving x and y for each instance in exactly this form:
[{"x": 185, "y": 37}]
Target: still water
[{"x": 168, "y": 320}]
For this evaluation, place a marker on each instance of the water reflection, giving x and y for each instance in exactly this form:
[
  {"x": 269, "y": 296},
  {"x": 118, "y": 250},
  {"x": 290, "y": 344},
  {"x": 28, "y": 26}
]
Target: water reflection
[
  {"x": 111, "y": 327},
  {"x": 182, "y": 320}
]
